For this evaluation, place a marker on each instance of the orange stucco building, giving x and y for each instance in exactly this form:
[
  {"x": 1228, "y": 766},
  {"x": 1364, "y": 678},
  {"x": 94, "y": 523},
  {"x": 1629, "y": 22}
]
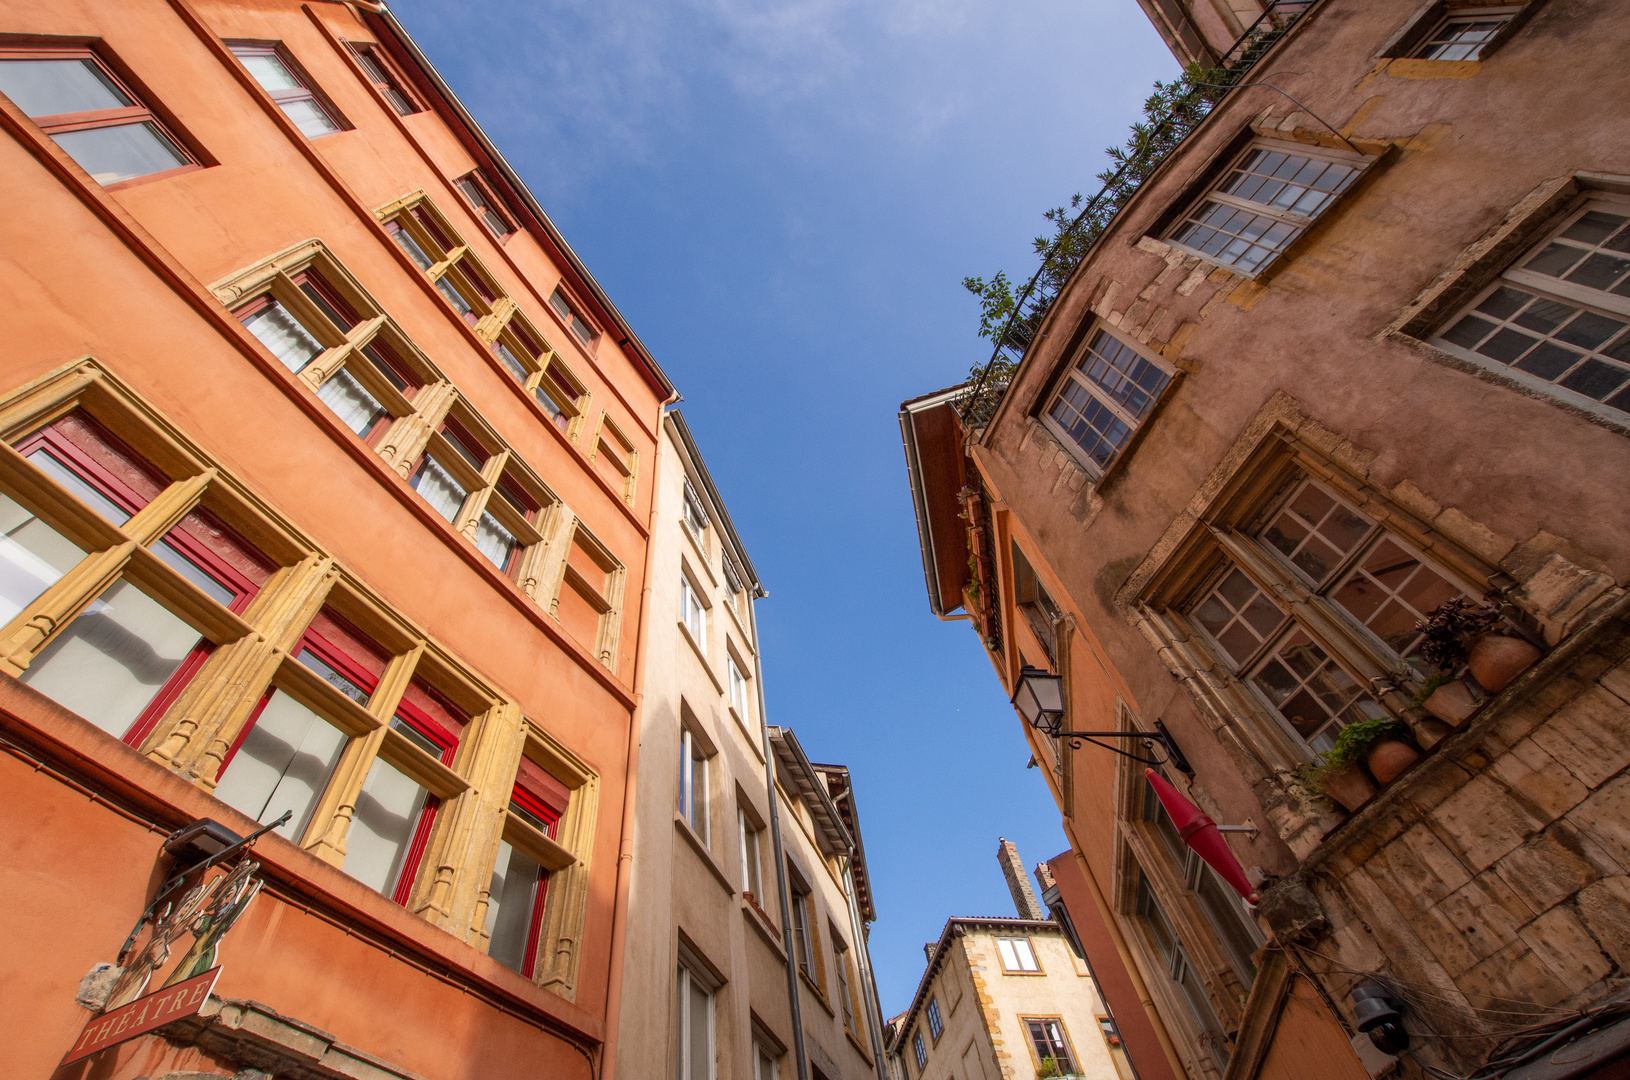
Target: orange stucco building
[{"x": 327, "y": 484}]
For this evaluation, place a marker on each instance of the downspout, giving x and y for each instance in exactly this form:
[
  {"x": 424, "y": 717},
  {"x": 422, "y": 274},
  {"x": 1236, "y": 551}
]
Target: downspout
[
  {"x": 793, "y": 1002},
  {"x": 867, "y": 985},
  {"x": 625, "y": 847},
  {"x": 1144, "y": 997}
]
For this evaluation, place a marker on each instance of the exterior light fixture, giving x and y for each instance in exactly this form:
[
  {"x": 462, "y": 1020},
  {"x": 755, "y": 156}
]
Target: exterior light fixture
[
  {"x": 1380, "y": 1016},
  {"x": 1039, "y": 697}
]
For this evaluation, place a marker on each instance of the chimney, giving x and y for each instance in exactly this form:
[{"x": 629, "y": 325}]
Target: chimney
[
  {"x": 1013, "y": 869},
  {"x": 1044, "y": 877}
]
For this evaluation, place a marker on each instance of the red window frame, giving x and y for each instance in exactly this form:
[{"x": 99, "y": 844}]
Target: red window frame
[
  {"x": 307, "y": 88},
  {"x": 382, "y": 75},
  {"x": 59, "y": 123},
  {"x": 494, "y": 206},
  {"x": 461, "y": 438},
  {"x": 536, "y": 804},
  {"x": 416, "y": 849},
  {"x": 317, "y": 289}
]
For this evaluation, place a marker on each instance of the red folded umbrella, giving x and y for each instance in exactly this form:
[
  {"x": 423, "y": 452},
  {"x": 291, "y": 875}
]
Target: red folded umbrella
[{"x": 1200, "y": 833}]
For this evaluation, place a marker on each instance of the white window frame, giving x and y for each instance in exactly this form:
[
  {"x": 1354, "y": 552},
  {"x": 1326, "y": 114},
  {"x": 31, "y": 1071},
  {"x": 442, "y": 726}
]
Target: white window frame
[
  {"x": 737, "y": 683},
  {"x": 692, "y": 611},
  {"x": 1503, "y": 12},
  {"x": 1300, "y": 223},
  {"x": 693, "y": 785},
  {"x": 761, "y": 1055},
  {"x": 683, "y": 986},
  {"x": 1014, "y": 965},
  {"x": 752, "y": 856},
  {"x": 1549, "y": 288},
  {"x": 1072, "y": 378}
]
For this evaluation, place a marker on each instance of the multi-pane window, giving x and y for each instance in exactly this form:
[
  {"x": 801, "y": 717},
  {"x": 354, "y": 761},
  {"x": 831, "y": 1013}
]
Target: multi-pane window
[
  {"x": 560, "y": 395},
  {"x": 1267, "y": 199},
  {"x": 919, "y": 1049},
  {"x": 695, "y": 513},
  {"x": 479, "y": 194},
  {"x": 1048, "y": 1039},
  {"x": 1464, "y": 34},
  {"x": 694, "y": 1006},
  {"x": 749, "y": 835},
  {"x": 520, "y": 883},
  {"x": 98, "y": 121},
  {"x": 1233, "y": 927},
  {"x": 1181, "y": 971},
  {"x": 1034, "y": 602},
  {"x": 693, "y": 784},
  {"x": 125, "y": 657},
  {"x": 276, "y": 73},
  {"x": 1017, "y": 955},
  {"x": 935, "y": 1024},
  {"x": 840, "y": 964},
  {"x": 1366, "y": 572},
  {"x": 765, "y": 1066},
  {"x": 1104, "y": 396},
  {"x": 359, "y": 365},
  {"x": 383, "y": 75},
  {"x": 569, "y": 315},
  {"x": 802, "y": 928},
  {"x": 1558, "y": 318},
  {"x": 738, "y": 689},
  {"x": 692, "y": 613}
]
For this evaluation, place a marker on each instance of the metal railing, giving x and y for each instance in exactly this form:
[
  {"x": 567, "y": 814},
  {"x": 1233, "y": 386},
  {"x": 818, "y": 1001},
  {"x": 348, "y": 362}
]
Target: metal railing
[{"x": 979, "y": 404}]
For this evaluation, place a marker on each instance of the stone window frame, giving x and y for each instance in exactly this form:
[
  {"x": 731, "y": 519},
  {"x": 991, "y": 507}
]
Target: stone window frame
[
  {"x": 417, "y": 422},
  {"x": 197, "y": 730},
  {"x": 619, "y": 452},
  {"x": 1216, "y": 172},
  {"x": 1223, "y": 532},
  {"x": 500, "y": 320},
  {"x": 1040, "y": 411},
  {"x": 558, "y": 573},
  {"x": 1481, "y": 264},
  {"x": 1030, "y": 1041},
  {"x": 1419, "y": 28}
]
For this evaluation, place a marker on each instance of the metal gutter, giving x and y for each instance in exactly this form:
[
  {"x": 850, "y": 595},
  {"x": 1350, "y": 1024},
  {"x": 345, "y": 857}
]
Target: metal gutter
[
  {"x": 626, "y": 335},
  {"x": 791, "y": 755}
]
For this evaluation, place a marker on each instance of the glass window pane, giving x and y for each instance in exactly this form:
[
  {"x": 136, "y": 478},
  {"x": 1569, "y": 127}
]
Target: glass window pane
[
  {"x": 440, "y": 490},
  {"x": 284, "y": 335},
  {"x": 387, "y": 812},
  {"x": 284, "y": 764},
  {"x": 494, "y": 541},
  {"x": 701, "y": 1024},
  {"x": 514, "y": 891},
  {"x": 54, "y": 87},
  {"x": 32, "y": 557},
  {"x": 333, "y": 678},
  {"x": 108, "y": 663},
  {"x": 311, "y": 118},
  {"x": 351, "y": 402},
  {"x": 111, "y": 154},
  {"x": 269, "y": 70},
  {"x": 194, "y": 573},
  {"x": 52, "y": 466},
  {"x": 512, "y": 363},
  {"x": 411, "y": 246}
]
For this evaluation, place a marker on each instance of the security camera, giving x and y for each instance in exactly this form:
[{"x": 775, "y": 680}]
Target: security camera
[{"x": 1380, "y": 1016}]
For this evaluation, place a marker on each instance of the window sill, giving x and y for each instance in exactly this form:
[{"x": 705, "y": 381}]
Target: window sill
[
  {"x": 741, "y": 625},
  {"x": 761, "y": 922},
  {"x": 747, "y": 731},
  {"x": 1414, "y": 68},
  {"x": 861, "y": 1049},
  {"x": 701, "y": 553},
  {"x": 701, "y": 849},
  {"x": 701, "y": 654},
  {"x": 809, "y": 984}
]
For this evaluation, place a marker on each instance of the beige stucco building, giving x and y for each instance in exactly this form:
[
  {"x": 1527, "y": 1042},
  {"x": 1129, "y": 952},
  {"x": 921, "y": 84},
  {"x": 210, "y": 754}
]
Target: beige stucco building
[
  {"x": 725, "y": 975},
  {"x": 1006, "y": 999}
]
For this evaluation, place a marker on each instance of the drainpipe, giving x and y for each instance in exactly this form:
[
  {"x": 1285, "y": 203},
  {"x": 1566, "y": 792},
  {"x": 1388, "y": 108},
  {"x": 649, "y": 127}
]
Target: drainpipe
[
  {"x": 780, "y": 862},
  {"x": 1125, "y": 951},
  {"x": 867, "y": 985},
  {"x": 625, "y": 847}
]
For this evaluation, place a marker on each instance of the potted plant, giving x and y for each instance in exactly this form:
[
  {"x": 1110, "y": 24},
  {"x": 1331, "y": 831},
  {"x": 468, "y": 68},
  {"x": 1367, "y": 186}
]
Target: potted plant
[
  {"x": 1463, "y": 633},
  {"x": 1339, "y": 772}
]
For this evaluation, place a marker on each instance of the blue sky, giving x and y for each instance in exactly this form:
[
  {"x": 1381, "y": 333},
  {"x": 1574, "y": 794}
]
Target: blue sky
[{"x": 783, "y": 197}]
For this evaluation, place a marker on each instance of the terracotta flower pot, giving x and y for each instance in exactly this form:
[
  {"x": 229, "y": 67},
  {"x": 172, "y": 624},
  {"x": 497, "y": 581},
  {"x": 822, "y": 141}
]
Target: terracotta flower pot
[
  {"x": 1389, "y": 757},
  {"x": 1496, "y": 659},
  {"x": 1351, "y": 787},
  {"x": 1452, "y": 703}
]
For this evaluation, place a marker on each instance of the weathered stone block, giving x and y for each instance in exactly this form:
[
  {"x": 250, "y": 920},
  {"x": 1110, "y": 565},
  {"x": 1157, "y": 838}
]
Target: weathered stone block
[
  {"x": 1605, "y": 909},
  {"x": 1473, "y": 534},
  {"x": 1514, "y": 974},
  {"x": 1484, "y": 821},
  {"x": 1447, "y": 941},
  {"x": 1617, "y": 681},
  {"x": 1290, "y": 911},
  {"x": 1417, "y": 870},
  {"x": 1548, "y": 869},
  {"x": 1507, "y": 730},
  {"x": 1604, "y": 819},
  {"x": 1487, "y": 912},
  {"x": 1563, "y": 944},
  {"x": 1558, "y": 593},
  {"x": 1537, "y": 777},
  {"x": 1590, "y": 735}
]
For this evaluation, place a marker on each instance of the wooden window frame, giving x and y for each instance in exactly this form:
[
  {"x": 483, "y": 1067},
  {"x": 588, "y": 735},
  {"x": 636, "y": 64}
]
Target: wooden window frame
[
  {"x": 1408, "y": 40},
  {"x": 1302, "y": 224},
  {"x": 696, "y": 808},
  {"x": 139, "y": 112},
  {"x": 308, "y": 90},
  {"x": 569, "y": 313},
  {"x": 1029, "y": 947},
  {"x": 1064, "y": 1033},
  {"x": 381, "y": 73},
  {"x": 936, "y": 1023}
]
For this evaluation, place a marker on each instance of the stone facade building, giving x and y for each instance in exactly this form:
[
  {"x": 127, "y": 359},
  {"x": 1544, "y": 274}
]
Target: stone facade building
[
  {"x": 326, "y": 484},
  {"x": 742, "y": 902},
  {"x": 1337, "y": 361},
  {"x": 1006, "y": 998}
]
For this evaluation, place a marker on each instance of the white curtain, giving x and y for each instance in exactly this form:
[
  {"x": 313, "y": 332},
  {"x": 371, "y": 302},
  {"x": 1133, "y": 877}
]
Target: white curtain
[
  {"x": 113, "y": 658},
  {"x": 509, "y": 906},
  {"x": 284, "y": 336},
  {"x": 494, "y": 541},
  {"x": 351, "y": 402},
  {"x": 284, "y": 764},
  {"x": 32, "y": 557},
  {"x": 444, "y": 494},
  {"x": 382, "y": 827}
]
